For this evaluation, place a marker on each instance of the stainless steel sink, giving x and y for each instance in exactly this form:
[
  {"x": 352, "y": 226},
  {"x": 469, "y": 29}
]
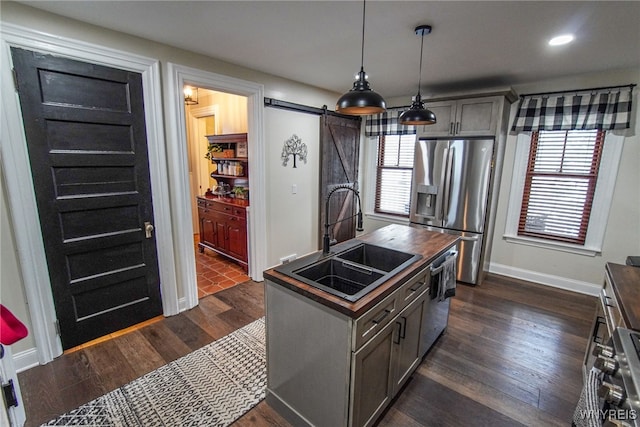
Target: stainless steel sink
[{"x": 354, "y": 270}]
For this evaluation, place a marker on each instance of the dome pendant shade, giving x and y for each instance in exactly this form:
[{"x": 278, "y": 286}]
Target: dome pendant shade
[
  {"x": 361, "y": 100},
  {"x": 417, "y": 114}
]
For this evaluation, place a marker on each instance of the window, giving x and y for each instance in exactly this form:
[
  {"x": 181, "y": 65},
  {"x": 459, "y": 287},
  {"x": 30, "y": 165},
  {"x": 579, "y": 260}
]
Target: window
[
  {"x": 560, "y": 183},
  {"x": 543, "y": 231},
  {"x": 394, "y": 172}
]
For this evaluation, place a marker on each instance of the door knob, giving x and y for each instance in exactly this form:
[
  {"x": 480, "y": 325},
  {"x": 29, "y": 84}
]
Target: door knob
[{"x": 148, "y": 229}]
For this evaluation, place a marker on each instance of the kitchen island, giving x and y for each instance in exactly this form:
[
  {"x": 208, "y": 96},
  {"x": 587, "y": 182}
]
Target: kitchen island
[{"x": 334, "y": 362}]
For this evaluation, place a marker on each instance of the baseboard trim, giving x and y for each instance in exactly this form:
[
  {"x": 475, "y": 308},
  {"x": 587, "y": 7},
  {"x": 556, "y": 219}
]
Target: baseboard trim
[
  {"x": 183, "y": 304},
  {"x": 26, "y": 359},
  {"x": 546, "y": 279},
  {"x": 286, "y": 411}
]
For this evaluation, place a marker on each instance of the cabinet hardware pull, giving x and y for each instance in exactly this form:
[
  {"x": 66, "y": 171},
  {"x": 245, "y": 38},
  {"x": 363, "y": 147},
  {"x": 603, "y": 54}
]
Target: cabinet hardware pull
[
  {"x": 398, "y": 335},
  {"x": 451, "y": 128},
  {"x": 381, "y": 317},
  {"x": 419, "y": 285},
  {"x": 403, "y": 329},
  {"x": 457, "y": 128}
]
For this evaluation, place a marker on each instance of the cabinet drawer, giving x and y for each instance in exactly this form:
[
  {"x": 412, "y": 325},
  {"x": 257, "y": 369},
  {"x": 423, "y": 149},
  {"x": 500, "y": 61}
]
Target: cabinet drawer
[
  {"x": 374, "y": 320},
  {"x": 239, "y": 212},
  {"x": 221, "y": 207},
  {"x": 230, "y": 210},
  {"x": 204, "y": 212},
  {"x": 414, "y": 287},
  {"x": 205, "y": 204}
]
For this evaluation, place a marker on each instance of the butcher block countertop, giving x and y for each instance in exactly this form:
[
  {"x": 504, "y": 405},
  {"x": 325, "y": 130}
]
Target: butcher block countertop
[
  {"x": 626, "y": 286},
  {"x": 404, "y": 238}
]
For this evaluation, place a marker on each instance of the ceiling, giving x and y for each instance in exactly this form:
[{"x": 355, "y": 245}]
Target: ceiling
[{"x": 474, "y": 44}]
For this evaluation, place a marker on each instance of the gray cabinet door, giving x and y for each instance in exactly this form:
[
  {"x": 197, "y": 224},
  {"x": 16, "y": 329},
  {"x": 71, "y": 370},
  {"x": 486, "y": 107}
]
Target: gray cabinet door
[
  {"x": 372, "y": 369},
  {"x": 463, "y": 117},
  {"x": 445, "y": 112},
  {"x": 477, "y": 117},
  {"x": 407, "y": 345}
]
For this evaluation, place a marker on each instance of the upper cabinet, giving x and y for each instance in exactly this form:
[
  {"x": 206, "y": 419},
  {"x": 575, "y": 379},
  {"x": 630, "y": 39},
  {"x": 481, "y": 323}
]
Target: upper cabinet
[{"x": 464, "y": 117}]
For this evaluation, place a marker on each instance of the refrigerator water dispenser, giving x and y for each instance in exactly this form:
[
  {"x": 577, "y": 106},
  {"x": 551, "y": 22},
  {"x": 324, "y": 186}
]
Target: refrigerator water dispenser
[{"x": 426, "y": 201}]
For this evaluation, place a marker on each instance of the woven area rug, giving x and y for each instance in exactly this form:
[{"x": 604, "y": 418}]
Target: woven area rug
[{"x": 212, "y": 386}]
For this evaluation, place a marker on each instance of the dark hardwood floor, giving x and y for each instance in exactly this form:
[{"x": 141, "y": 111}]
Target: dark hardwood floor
[{"x": 511, "y": 356}]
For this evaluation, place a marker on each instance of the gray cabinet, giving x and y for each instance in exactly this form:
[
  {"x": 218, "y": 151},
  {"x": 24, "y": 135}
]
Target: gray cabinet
[
  {"x": 382, "y": 366},
  {"x": 372, "y": 372},
  {"x": 464, "y": 117},
  {"x": 408, "y": 350},
  {"x": 327, "y": 369}
]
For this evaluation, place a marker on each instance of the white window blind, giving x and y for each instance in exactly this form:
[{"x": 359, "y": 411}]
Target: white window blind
[
  {"x": 394, "y": 172},
  {"x": 560, "y": 182}
]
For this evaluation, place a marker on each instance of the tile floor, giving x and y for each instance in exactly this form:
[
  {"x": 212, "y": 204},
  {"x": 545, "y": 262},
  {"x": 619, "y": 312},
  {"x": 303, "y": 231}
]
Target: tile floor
[{"x": 215, "y": 272}]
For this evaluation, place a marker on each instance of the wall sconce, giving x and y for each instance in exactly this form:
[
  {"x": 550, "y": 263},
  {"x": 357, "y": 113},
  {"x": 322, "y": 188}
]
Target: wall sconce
[
  {"x": 293, "y": 146},
  {"x": 190, "y": 95}
]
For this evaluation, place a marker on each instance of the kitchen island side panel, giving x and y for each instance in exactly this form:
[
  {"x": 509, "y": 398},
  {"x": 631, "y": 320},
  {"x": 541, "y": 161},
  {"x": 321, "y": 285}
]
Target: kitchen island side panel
[{"x": 308, "y": 358}]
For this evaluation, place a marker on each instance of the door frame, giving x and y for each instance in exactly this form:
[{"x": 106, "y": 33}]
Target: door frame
[
  {"x": 177, "y": 76},
  {"x": 193, "y": 115},
  {"x": 17, "y": 173}
]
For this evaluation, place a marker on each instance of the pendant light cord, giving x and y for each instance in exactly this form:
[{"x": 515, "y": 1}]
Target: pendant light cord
[
  {"x": 421, "y": 50},
  {"x": 364, "y": 7}
]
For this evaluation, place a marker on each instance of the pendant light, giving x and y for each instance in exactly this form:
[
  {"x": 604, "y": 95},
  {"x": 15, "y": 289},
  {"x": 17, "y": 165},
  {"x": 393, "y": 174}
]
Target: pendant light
[
  {"x": 361, "y": 100},
  {"x": 417, "y": 114}
]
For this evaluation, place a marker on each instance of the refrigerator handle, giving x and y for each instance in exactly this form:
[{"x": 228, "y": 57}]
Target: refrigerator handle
[
  {"x": 447, "y": 184},
  {"x": 443, "y": 181}
]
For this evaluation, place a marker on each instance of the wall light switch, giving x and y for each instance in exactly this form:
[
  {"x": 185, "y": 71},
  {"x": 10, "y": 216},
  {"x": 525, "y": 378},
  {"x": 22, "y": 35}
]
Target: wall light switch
[{"x": 294, "y": 189}]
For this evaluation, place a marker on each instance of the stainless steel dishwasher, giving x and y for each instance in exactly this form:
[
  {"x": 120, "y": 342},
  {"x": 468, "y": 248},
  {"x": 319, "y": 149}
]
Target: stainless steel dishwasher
[{"x": 436, "y": 315}]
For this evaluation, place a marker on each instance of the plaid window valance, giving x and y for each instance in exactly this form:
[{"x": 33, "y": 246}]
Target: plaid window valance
[
  {"x": 605, "y": 109},
  {"x": 387, "y": 124}
]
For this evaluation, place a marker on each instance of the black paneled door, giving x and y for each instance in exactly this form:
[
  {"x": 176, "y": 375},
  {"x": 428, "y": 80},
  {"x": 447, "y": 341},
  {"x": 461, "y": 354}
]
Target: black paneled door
[{"x": 87, "y": 145}]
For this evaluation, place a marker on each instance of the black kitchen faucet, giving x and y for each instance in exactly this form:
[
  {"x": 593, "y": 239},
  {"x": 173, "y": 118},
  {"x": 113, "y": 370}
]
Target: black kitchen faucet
[{"x": 326, "y": 242}]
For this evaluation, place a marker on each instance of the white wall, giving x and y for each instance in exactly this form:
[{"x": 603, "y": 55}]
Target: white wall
[
  {"x": 622, "y": 237},
  {"x": 11, "y": 290},
  {"x": 292, "y": 218}
]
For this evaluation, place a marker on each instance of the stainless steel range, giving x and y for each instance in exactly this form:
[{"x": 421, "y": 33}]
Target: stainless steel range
[{"x": 612, "y": 386}]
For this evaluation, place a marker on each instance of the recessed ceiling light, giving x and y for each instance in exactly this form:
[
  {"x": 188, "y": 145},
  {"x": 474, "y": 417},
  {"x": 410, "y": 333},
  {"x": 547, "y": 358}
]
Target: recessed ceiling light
[{"x": 560, "y": 40}]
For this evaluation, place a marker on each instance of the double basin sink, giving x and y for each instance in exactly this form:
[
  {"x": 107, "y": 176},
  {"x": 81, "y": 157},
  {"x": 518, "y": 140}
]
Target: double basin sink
[{"x": 353, "y": 271}]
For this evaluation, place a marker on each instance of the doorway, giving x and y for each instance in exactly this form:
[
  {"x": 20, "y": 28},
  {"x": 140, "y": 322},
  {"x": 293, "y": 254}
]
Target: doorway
[{"x": 210, "y": 113}]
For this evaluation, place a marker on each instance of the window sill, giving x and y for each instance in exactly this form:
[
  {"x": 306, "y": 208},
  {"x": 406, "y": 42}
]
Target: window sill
[
  {"x": 389, "y": 218},
  {"x": 556, "y": 246}
]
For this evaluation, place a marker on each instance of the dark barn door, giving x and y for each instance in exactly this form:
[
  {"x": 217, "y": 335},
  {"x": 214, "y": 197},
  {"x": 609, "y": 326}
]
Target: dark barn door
[
  {"x": 87, "y": 145},
  {"x": 340, "y": 145}
]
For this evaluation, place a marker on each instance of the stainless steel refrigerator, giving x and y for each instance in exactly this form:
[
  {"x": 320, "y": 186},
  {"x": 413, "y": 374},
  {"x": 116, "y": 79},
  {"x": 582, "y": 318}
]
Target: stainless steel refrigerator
[{"x": 451, "y": 182}]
